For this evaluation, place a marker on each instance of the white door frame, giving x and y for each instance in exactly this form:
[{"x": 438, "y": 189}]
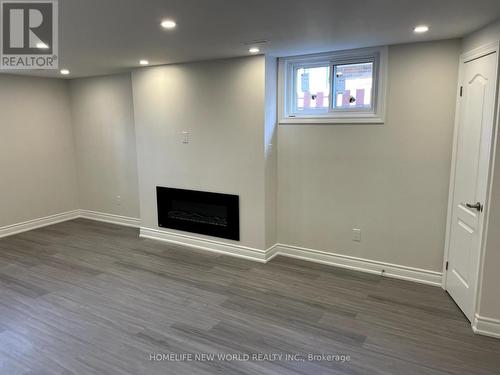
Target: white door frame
[{"x": 464, "y": 58}]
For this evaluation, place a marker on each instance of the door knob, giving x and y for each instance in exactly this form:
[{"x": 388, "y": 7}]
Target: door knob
[{"x": 478, "y": 206}]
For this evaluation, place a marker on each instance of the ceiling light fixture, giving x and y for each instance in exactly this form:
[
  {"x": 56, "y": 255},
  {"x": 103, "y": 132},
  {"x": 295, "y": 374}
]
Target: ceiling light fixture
[
  {"x": 168, "y": 24},
  {"x": 144, "y": 62},
  {"x": 254, "y": 50},
  {"x": 64, "y": 72},
  {"x": 421, "y": 29}
]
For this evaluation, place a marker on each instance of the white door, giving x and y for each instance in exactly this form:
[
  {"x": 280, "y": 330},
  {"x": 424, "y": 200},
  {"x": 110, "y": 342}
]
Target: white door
[{"x": 472, "y": 164}]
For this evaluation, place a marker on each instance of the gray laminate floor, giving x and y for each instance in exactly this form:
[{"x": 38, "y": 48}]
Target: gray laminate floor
[{"x": 83, "y": 297}]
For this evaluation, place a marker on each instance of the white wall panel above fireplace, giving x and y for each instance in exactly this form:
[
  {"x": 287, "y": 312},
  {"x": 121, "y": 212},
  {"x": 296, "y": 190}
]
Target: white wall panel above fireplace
[{"x": 221, "y": 105}]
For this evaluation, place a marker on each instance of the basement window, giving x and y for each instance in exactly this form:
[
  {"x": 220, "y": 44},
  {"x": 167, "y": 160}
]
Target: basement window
[{"x": 341, "y": 87}]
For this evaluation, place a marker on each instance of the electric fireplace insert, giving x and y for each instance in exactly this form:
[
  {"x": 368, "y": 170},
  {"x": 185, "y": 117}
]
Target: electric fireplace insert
[{"x": 212, "y": 214}]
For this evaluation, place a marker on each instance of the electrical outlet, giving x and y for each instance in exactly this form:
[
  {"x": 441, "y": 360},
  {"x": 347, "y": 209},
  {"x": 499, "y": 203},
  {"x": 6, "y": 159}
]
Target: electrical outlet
[{"x": 356, "y": 234}]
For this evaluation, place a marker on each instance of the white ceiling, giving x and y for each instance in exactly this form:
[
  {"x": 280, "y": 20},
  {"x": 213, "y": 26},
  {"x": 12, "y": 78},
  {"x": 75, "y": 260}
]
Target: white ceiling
[{"x": 109, "y": 36}]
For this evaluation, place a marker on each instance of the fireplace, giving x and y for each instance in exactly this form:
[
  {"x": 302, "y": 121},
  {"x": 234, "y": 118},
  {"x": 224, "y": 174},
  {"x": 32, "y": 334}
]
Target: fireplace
[{"x": 200, "y": 212}]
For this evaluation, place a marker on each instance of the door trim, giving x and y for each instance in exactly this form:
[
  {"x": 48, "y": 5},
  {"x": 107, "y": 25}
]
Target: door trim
[
  {"x": 474, "y": 54},
  {"x": 479, "y": 52}
]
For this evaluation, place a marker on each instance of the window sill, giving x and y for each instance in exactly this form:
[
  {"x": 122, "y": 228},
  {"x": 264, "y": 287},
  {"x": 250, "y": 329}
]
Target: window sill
[{"x": 332, "y": 120}]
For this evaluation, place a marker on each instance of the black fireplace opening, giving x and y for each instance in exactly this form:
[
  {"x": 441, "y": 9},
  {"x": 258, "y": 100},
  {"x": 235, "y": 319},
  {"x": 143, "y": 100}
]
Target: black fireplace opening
[{"x": 213, "y": 214}]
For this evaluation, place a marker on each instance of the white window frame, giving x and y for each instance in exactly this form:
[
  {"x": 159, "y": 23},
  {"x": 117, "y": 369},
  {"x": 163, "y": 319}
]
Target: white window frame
[{"x": 287, "y": 92}]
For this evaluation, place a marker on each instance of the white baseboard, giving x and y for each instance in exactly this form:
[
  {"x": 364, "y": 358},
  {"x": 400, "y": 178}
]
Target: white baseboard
[
  {"x": 10, "y": 230},
  {"x": 110, "y": 218},
  {"x": 272, "y": 252},
  {"x": 481, "y": 325},
  {"x": 259, "y": 255},
  {"x": 364, "y": 265},
  {"x": 486, "y": 326},
  {"x": 205, "y": 244}
]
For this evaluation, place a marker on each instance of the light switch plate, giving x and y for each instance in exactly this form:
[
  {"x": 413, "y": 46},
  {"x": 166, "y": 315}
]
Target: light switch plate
[{"x": 185, "y": 137}]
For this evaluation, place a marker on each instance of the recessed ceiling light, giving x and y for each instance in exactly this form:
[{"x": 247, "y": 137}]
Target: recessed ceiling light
[
  {"x": 168, "y": 24},
  {"x": 144, "y": 62},
  {"x": 254, "y": 50},
  {"x": 421, "y": 29},
  {"x": 64, "y": 72},
  {"x": 42, "y": 45}
]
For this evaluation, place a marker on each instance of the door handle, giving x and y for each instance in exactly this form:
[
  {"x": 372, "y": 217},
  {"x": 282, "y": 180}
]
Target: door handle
[{"x": 478, "y": 206}]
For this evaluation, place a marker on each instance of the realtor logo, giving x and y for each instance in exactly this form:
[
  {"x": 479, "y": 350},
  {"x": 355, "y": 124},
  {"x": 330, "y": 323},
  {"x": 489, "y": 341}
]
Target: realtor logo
[{"x": 29, "y": 34}]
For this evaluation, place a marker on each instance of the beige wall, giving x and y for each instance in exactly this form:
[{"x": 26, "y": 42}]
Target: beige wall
[
  {"x": 221, "y": 104},
  {"x": 488, "y": 34},
  {"x": 37, "y": 163},
  {"x": 103, "y": 120},
  {"x": 390, "y": 180}
]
